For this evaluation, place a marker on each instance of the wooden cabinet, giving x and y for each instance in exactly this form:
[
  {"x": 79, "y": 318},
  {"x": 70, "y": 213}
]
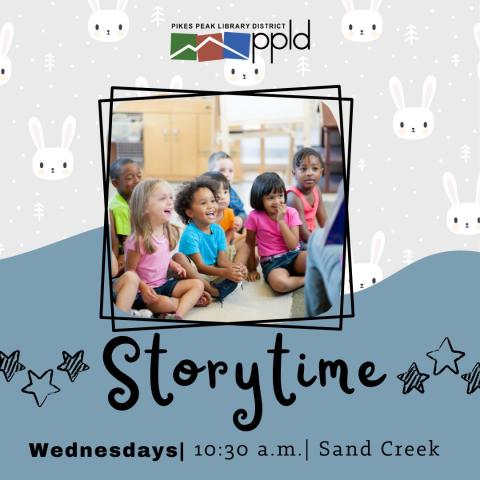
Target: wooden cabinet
[
  {"x": 177, "y": 136},
  {"x": 156, "y": 144}
]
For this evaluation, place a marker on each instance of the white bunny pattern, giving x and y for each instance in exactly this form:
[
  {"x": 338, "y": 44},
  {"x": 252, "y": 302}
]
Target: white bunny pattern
[
  {"x": 413, "y": 123},
  {"x": 362, "y": 25},
  {"x": 110, "y": 25},
  {"x": 365, "y": 275},
  {"x": 6, "y": 37},
  {"x": 462, "y": 218},
  {"x": 53, "y": 163}
]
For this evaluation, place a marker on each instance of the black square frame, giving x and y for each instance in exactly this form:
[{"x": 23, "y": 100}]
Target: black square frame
[{"x": 106, "y": 250}]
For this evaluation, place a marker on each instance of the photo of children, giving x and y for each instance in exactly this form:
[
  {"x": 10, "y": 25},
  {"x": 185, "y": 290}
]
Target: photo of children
[{"x": 202, "y": 217}]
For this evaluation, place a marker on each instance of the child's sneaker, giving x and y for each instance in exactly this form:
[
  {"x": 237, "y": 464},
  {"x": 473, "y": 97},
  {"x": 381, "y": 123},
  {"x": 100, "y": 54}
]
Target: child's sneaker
[
  {"x": 168, "y": 316},
  {"x": 143, "y": 313},
  {"x": 225, "y": 287}
]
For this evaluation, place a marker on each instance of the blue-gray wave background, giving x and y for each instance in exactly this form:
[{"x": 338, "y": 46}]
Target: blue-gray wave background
[{"x": 50, "y": 301}]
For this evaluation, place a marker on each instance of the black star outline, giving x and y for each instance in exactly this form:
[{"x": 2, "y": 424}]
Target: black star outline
[
  {"x": 413, "y": 379},
  {"x": 439, "y": 356},
  {"x": 10, "y": 365},
  {"x": 37, "y": 383},
  {"x": 73, "y": 364},
  {"x": 473, "y": 379}
]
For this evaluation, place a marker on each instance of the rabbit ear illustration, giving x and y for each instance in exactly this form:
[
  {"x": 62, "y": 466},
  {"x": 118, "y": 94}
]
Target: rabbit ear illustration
[
  {"x": 450, "y": 185},
  {"x": 396, "y": 90},
  {"x": 476, "y": 33},
  {"x": 429, "y": 87},
  {"x": 94, "y": 5},
  {"x": 378, "y": 244},
  {"x": 375, "y": 5},
  {"x": 6, "y": 38},
  {"x": 121, "y": 5},
  {"x": 68, "y": 131},
  {"x": 36, "y": 132},
  {"x": 348, "y": 4},
  {"x": 176, "y": 83}
]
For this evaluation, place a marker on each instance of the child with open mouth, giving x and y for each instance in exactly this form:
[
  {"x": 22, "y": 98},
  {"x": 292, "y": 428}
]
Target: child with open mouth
[
  {"x": 148, "y": 253},
  {"x": 204, "y": 242}
]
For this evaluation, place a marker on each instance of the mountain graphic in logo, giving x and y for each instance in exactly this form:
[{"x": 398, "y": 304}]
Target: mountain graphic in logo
[{"x": 215, "y": 46}]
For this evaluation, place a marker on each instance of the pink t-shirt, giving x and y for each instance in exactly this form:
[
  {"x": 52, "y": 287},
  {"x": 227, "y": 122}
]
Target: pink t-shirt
[
  {"x": 152, "y": 267},
  {"x": 269, "y": 238},
  {"x": 309, "y": 211}
]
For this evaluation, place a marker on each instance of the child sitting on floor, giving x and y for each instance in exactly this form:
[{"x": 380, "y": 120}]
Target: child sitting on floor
[
  {"x": 125, "y": 175},
  {"x": 148, "y": 252},
  {"x": 273, "y": 227},
  {"x": 125, "y": 291},
  {"x": 222, "y": 162},
  {"x": 204, "y": 242},
  {"x": 306, "y": 196},
  {"x": 225, "y": 216}
]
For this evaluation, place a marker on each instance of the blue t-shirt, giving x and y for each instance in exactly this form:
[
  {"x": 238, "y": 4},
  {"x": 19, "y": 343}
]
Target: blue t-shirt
[
  {"x": 237, "y": 204},
  {"x": 193, "y": 240}
]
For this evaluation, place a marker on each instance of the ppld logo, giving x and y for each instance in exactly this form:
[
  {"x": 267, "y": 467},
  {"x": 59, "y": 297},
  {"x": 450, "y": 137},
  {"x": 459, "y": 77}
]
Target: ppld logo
[{"x": 234, "y": 45}]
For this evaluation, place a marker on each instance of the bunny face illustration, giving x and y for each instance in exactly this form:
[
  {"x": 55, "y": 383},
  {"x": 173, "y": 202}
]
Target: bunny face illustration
[
  {"x": 244, "y": 73},
  {"x": 108, "y": 25},
  {"x": 362, "y": 25},
  {"x": 462, "y": 218},
  {"x": 52, "y": 163},
  {"x": 6, "y": 37},
  {"x": 413, "y": 123},
  {"x": 367, "y": 274}
]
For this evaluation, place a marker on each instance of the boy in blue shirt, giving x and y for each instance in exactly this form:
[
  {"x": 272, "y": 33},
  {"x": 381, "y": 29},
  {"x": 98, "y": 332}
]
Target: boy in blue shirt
[{"x": 204, "y": 242}]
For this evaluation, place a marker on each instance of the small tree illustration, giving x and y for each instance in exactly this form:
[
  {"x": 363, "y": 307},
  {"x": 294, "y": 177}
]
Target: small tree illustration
[
  {"x": 362, "y": 164},
  {"x": 408, "y": 257},
  {"x": 465, "y": 153},
  {"x": 38, "y": 211},
  {"x": 411, "y": 35},
  {"x": 49, "y": 61},
  {"x": 302, "y": 66},
  {"x": 157, "y": 15},
  {"x": 2, "y": 249}
]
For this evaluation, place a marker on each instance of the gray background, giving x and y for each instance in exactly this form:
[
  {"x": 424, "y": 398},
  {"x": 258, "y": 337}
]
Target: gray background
[{"x": 399, "y": 191}]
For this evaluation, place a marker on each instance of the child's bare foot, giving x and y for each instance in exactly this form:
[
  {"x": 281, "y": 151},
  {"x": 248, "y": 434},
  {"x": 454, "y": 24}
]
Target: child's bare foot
[
  {"x": 253, "y": 276},
  {"x": 169, "y": 316},
  {"x": 204, "y": 300}
]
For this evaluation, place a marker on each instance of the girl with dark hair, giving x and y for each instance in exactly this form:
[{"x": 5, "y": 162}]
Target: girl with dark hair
[{"x": 274, "y": 228}]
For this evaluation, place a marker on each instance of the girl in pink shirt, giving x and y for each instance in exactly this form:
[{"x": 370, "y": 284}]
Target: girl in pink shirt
[
  {"x": 273, "y": 227},
  {"x": 148, "y": 253},
  {"x": 306, "y": 196}
]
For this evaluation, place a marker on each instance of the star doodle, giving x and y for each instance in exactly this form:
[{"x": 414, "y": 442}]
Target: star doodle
[
  {"x": 413, "y": 379},
  {"x": 473, "y": 379},
  {"x": 73, "y": 364},
  {"x": 10, "y": 365},
  {"x": 40, "y": 386},
  {"x": 445, "y": 357}
]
